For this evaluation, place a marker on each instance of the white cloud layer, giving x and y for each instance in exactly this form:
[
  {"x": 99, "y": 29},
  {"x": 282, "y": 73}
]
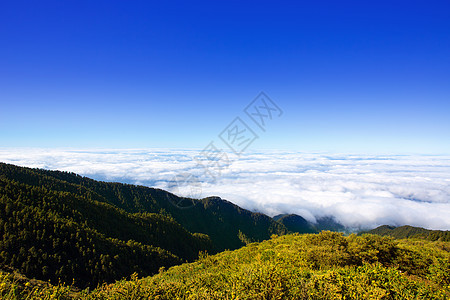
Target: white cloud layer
[{"x": 360, "y": 191}]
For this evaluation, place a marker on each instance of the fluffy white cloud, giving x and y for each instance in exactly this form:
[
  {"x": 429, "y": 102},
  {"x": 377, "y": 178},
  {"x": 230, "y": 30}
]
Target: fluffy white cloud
[{"x": 359, "y": 190}]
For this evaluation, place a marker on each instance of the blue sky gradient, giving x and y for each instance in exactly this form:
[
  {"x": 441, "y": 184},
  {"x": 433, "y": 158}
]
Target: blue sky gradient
[{"x": 350, "y": 76}]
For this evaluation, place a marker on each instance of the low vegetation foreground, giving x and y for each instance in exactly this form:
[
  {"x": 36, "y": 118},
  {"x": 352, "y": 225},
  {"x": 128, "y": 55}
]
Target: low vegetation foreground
[{"x": 327, "y": 265}]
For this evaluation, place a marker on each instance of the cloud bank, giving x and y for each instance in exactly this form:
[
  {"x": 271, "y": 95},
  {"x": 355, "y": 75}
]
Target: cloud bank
[{"x": 360, "y": 191}]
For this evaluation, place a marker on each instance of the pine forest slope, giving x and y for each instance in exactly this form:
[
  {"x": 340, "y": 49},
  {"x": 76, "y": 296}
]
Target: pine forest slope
[{"x": 61, "y": 226}]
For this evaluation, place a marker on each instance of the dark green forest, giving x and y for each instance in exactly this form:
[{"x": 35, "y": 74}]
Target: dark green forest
[{"x": 61, "y": 226}]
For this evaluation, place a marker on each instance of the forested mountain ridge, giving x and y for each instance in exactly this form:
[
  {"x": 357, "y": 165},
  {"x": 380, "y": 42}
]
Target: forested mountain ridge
[
  {"x": 54, "y": 235},
  {"x": 58, "y": 225},
  {"x": 407, "y": 231},
  {"x": 224, "y": 222}
]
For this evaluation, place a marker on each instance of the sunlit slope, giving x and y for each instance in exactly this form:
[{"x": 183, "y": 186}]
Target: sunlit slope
[{"x": 313, "y": 266}]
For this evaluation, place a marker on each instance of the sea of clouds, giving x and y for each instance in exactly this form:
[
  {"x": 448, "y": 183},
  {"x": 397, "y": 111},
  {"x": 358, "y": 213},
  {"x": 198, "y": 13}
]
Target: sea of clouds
[{"x": 360, "y": 191}]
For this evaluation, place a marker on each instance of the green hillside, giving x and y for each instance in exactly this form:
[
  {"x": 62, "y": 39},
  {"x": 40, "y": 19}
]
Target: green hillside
[
  {"x": 311, "y": 266},
  {"x": 61, "y": 226},
  {"x": 56, "y": 235},
  {"x": 224, "y": 222},
  {"x": 404, "y": 232}
]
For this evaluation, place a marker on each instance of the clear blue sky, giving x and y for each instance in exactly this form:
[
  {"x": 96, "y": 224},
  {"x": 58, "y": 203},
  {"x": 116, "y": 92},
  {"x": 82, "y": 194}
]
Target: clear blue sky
[{"x": 350, "y": 76}]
